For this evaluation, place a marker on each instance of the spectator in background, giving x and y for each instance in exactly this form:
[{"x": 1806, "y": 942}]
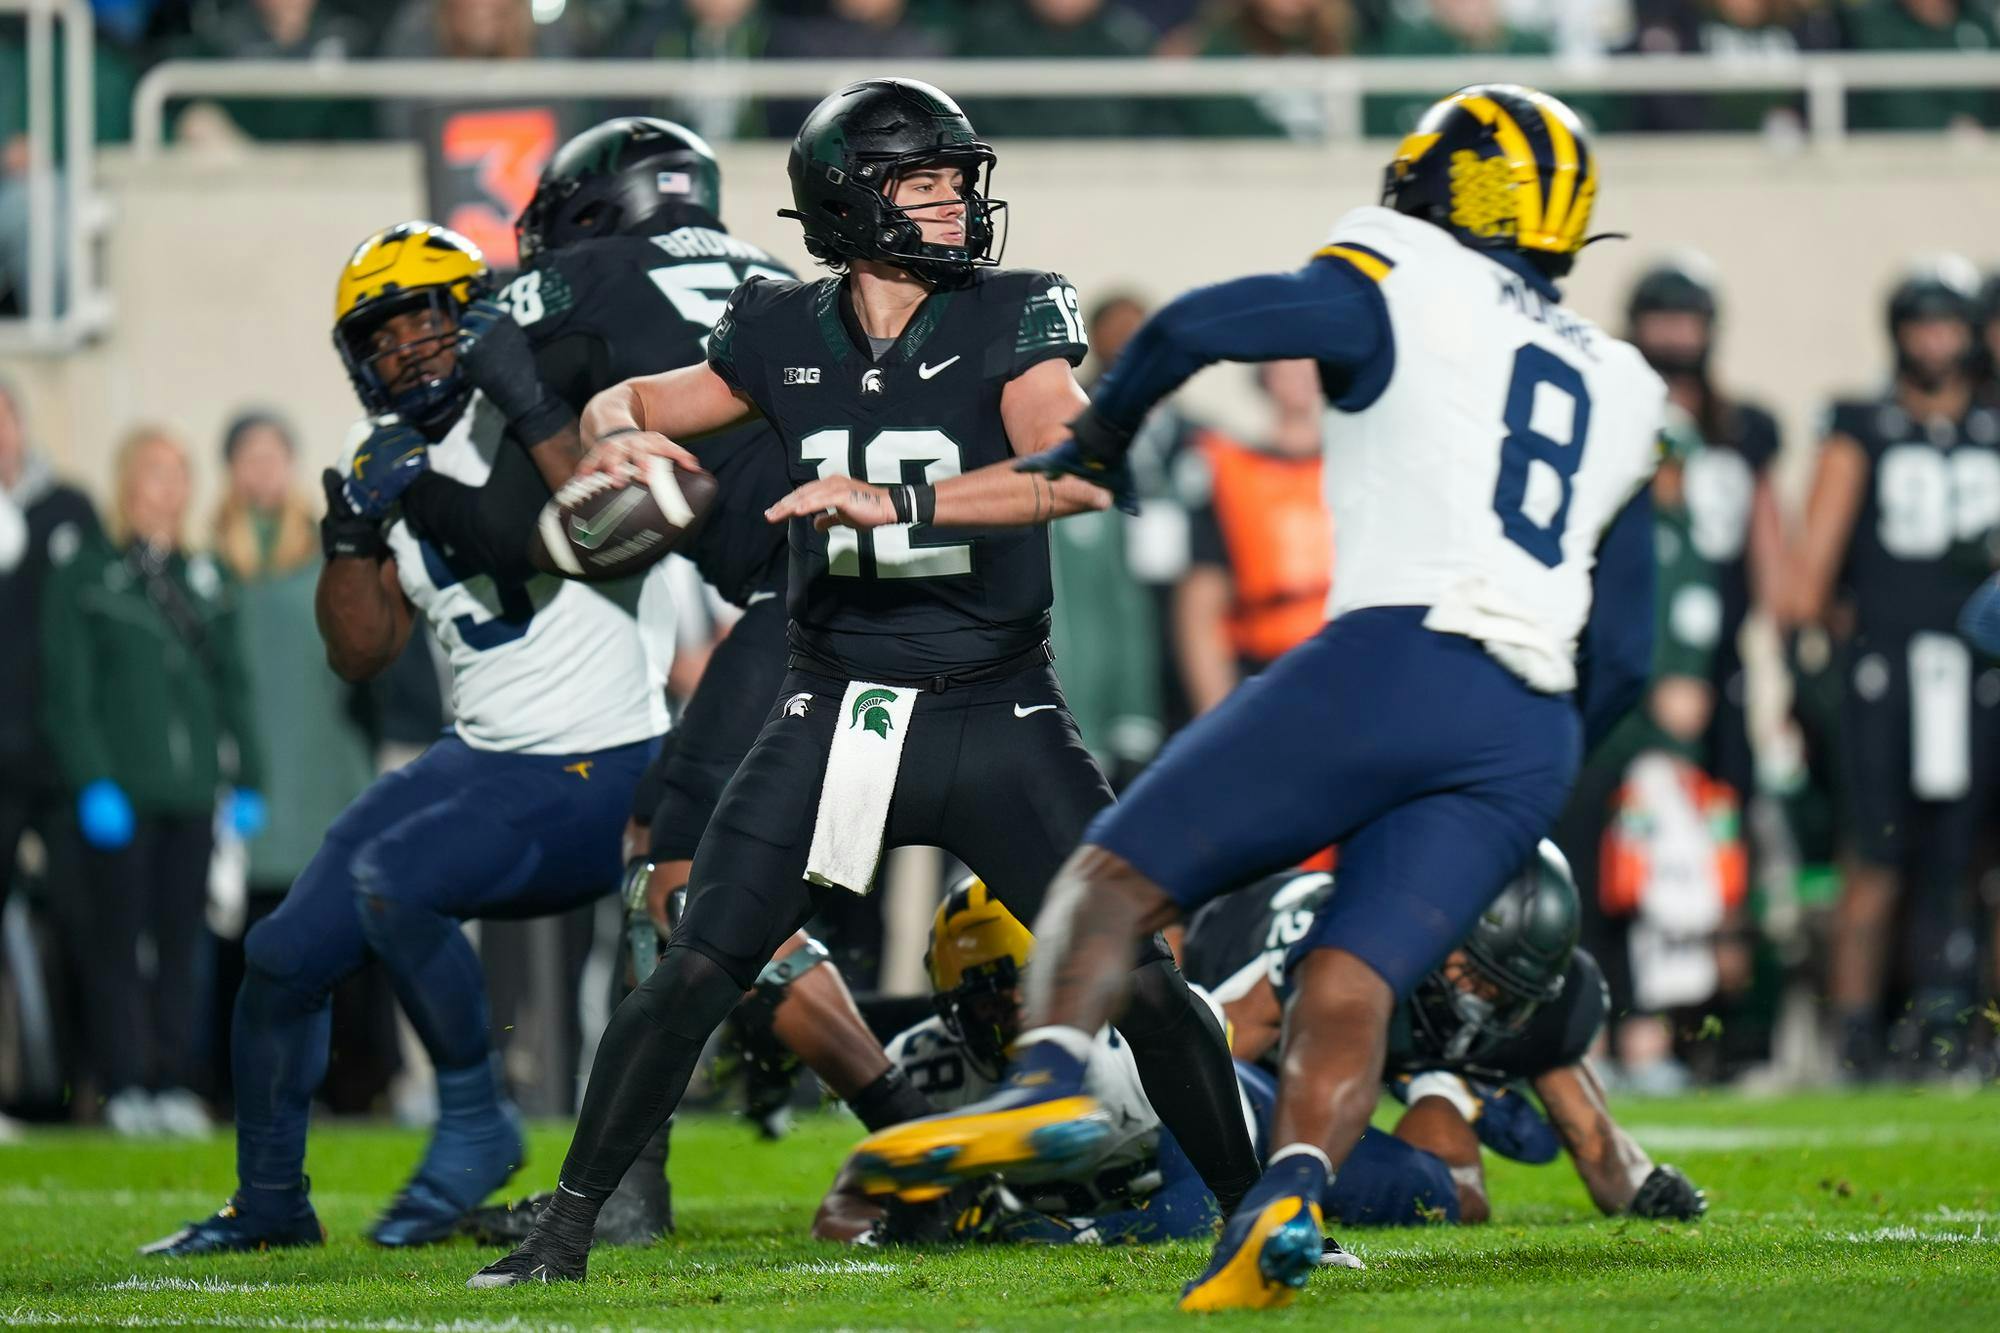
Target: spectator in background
[
  {"x": 1054, "y": 30},
  {"x": 1657, "y": 863},
  {"x": 284, "y": 30},
  {"x": 316, "y": 756},
  {"x": 143, "y": 687},
  {"x": 1262, "y": 555},
  {"x": 1731, "y": 501},
  {"x": 701, "y": 31},
  {"x": 850, "y": 29},
  {"x": 1450, "y": 28},
  {"x": 1261, "y": 28},
  {"x": 113, "y": 74},
  {"x": 1920, "y": 25},
  {"x": 43, "y": 524},
  {"x": 461, "y": 30},
  {"x": 1171, "y": 478},
  {"x": 1737, "y": 30}
]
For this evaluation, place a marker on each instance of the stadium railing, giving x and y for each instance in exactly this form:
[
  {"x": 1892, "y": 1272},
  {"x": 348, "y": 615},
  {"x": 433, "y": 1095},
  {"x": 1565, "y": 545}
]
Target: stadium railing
[
  {"x": 65, "y": 213},
  {"x": 1342, "y": 83}
]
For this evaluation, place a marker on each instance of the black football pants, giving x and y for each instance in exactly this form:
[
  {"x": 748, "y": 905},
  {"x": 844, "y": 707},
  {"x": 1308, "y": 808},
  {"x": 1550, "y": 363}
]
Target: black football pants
[{"x": 996, "y": 774}]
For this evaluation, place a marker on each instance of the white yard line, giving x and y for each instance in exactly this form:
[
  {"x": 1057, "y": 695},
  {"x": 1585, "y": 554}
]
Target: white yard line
[{"x": 208, "y": 1284}]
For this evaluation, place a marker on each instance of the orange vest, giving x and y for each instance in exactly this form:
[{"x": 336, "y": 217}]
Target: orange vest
[{"x": 1279, "y": 536}]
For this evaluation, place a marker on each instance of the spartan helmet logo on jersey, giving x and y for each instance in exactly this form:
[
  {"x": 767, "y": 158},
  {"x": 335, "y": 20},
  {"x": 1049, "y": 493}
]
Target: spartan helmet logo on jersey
[
  {"x": 396, "y": 311},
  {"x": 626, "y": 177},
  {"x": 977, "y": 954},
  {"x": 850, "y": 153},
  {"x": 1513, "y": 961},
  {"x": 1500, "y": 167}
]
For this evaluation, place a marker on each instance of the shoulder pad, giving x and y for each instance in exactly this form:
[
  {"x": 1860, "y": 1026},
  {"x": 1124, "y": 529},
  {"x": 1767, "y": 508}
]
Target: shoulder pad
[
  {"x": 1375, "y": 240},
  {"x": 1051, "y": 315},
  {"x": 1858, "y": 419}
]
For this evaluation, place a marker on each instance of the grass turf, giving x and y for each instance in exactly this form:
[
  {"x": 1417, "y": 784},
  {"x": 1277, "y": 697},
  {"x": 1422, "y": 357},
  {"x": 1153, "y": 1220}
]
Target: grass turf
[{"x": 1875, "y": 1210}]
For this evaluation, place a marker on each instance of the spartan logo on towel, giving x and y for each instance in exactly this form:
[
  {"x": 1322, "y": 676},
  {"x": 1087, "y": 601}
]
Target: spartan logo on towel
[{"x": 869, "y": 713}]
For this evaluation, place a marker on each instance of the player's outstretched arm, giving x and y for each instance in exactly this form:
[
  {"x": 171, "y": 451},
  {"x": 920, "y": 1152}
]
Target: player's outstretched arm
[
  {"x": 1614, "y": 1168},
  {"x": 1840, "y": 476},
  {"x": 644, "y": 418}
]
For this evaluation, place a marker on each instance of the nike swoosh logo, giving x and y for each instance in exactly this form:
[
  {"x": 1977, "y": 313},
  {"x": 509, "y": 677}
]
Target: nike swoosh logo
[
  {"x": 757, "y": 597},
  {"x": 925, "y": 372},
  {"x": 1023, "y": 712},
  {"x": 591, "y": 533}
]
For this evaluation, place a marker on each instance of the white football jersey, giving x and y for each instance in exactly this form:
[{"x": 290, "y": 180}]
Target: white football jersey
[
  {"x": 550, "y": 667},
  {"x": 1510, "y": 434}
]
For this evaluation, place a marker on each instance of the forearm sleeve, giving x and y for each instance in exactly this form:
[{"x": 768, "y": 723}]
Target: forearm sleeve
[{"x": 1326, "y": 312}]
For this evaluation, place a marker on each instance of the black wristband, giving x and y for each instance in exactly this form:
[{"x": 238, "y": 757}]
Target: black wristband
[
  {"x": 903, "y": 502},
  {"x": 923, "y": 500},
  {"x": 351, "y": 538},
  {"x": 547, "y": 419}
]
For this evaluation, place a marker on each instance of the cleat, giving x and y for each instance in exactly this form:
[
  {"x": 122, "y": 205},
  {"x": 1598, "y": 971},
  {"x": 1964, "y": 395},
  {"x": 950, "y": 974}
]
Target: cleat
[
  {"x": 230, "y": 1231},
  {"x": 460, "y": 1169},
  {"x": 1262, "y": 1260},
  {"x": 539, "y": 1259},
  {"x": 1332, "y": 1256},
  {"x": 631, "y": 1216},
  {"x": 920, "y": 1160}
]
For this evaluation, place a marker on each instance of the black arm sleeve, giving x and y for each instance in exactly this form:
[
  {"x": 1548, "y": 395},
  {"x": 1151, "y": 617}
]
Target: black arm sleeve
[{"x": 492, "y": 526}]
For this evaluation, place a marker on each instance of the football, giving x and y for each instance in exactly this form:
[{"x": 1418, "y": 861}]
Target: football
[{"x": 595, "y": 529}]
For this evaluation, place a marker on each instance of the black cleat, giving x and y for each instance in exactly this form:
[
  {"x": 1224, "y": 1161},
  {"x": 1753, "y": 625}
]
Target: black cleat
[
  {"x": 229, "y": 1231},
  {"x": 540, "y": 1258},
  {"x": 634, "y": 1215},
  {"x": 1332, "y": 1256}
]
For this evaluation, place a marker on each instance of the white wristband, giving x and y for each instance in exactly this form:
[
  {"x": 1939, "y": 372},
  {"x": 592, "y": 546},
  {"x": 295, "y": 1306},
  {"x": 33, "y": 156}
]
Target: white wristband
[{"x": 1442, "y": 1083}]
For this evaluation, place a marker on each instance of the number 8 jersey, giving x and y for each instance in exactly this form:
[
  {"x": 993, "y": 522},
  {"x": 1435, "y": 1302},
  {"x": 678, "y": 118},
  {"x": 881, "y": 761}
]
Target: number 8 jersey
[
  {"x": 902, "y": 604},
  {"x": 1478, "y": 476}
]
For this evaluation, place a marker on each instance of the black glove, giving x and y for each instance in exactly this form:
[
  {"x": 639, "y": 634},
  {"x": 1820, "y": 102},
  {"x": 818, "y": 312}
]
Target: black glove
[
  {"x": 1668, "y": 1193},
  {"x": 500, "y": 362},
  {"x": 344, "y": 533}
]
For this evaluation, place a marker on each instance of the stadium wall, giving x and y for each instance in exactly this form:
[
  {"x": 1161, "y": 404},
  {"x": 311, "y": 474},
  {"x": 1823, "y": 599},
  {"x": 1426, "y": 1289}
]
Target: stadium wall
[{"x": 222, "y": 265}]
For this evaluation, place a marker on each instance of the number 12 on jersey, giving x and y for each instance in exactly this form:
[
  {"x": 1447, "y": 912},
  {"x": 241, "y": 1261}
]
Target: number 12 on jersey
[
  {"x": 883, "y": 457},
  {"x": 1547, "y": 419}
]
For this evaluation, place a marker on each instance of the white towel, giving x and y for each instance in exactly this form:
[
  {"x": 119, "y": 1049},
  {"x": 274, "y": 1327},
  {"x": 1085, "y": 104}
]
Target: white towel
[
  {"x": 1940, "y": 717},
  {"x": 860, "y": 781}
]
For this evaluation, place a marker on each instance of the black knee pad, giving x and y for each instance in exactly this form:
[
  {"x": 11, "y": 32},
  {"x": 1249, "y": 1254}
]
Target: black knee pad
[{"x": 687, "y": 995}]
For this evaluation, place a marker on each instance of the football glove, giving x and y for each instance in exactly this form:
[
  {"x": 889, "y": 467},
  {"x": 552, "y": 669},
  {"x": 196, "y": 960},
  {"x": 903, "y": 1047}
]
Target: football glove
[
  {"x": 389, "y": 460},
  {"x": 248, "y": 813},
  {"x": 1668, "y": 1193},
  {"x": 498, "y": 359},
  {"x": 1096, "y": 452},
  {"x": 344, "y": 533}
]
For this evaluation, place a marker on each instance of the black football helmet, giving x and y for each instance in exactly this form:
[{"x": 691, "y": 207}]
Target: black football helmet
[
  {"x": 1682, "y": 283},
  {"x": 1944, "y": 286},
  {"x": 619, "y": 179},
  {"x": 854, "y": 146},
  {"x": 1514, "y": 961},
  {"x": 1501, "y": 167}
]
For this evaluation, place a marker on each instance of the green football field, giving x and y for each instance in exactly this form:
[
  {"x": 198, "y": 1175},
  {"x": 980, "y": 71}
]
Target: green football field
[{"x": 1873, "y": 1210}]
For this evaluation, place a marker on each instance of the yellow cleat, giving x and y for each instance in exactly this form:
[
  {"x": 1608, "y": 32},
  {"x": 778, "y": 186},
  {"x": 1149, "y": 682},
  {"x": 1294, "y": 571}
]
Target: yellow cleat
[
  {"x": 1262, "y": 1259},
  {"x": 919, "y": 1159}
]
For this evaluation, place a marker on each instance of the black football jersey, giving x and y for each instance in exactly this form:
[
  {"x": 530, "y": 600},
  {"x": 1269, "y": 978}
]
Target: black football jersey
[
  {"x": 900, "y": 604},
  {"x": 1721, "y": 484},
  {"x": 1256, "y": 926},
  {"x": 607, "y": 310},
  {"x": 1924, "y": 536}
]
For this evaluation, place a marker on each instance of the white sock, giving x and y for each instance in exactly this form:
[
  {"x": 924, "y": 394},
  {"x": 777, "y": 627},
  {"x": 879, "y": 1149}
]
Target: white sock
[
  {"x": 1293, "y": 1149},
  {"x": 1073, "y": 1040}
]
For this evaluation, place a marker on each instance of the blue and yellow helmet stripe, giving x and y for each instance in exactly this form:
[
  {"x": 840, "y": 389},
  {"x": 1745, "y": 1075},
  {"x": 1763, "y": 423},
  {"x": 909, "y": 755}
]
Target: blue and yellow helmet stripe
[{"x": 1501, "y": 166}]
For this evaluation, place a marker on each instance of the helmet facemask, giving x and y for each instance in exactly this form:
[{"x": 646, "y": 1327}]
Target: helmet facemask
[
  {"x": 432, "y": 401},
  {"x": 1466, "y": 1010},
  {"x": 865, "y": 224},
  {"x": 983, "y": 1014}
]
